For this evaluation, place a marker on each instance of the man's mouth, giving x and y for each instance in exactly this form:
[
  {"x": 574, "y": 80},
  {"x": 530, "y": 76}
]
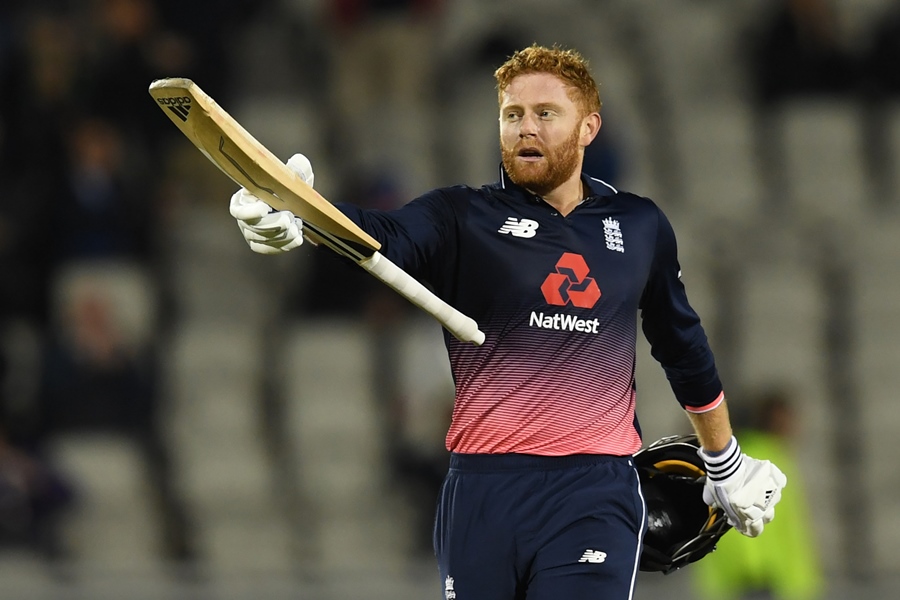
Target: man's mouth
[{"x": 530, "y": 154}]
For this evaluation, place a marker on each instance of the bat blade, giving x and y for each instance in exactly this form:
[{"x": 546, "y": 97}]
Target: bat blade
[{"x": 251, "y": 165}]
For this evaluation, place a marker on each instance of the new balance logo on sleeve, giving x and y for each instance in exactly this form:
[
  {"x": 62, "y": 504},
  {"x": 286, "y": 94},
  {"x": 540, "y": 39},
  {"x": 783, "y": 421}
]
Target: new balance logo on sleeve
[
  {"x": 523, "y": 228},
  {"x": 592, "y": 556}
]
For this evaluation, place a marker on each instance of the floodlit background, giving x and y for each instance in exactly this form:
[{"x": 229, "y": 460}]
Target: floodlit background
[{"x": 183, "y": 418}]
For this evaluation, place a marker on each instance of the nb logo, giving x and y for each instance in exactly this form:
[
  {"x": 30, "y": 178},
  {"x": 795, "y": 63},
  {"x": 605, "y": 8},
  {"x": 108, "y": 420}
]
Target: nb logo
[
  {"x": 592, "y": 556},
  {"x": 523, "y": 228}
]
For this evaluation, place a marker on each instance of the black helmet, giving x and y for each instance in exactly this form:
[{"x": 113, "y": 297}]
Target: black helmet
[{"x": 681, "y": 528}]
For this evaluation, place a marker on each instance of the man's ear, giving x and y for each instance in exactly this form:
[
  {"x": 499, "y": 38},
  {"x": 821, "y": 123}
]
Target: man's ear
[{"x": 590, "y": 126}]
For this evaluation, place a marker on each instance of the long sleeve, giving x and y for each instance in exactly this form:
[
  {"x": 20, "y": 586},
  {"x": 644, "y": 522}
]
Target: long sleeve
[
  {"x": 672, "y": 327},
  {"x": 421, "y": 237}
]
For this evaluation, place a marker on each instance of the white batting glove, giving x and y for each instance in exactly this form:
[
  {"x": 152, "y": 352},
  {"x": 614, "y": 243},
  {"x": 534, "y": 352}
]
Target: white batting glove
[
  {"x": 745, "y": 488},
  {"x": 268, "y": 231}
]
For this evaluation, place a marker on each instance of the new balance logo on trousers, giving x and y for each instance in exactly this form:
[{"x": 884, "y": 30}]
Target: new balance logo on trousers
[{"x": 592, "y": 556}]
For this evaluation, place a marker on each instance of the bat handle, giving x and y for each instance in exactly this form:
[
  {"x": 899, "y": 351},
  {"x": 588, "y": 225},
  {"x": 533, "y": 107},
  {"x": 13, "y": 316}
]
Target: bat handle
[{"x": 462, "y": 327}]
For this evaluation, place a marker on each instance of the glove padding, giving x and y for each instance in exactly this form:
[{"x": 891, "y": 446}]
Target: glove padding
[
  {"x": 745, "y": 488},
  {"x": 268, "y": 231}
]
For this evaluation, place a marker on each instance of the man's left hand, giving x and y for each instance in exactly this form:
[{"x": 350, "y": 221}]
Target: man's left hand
[{"x": 747, "y": 489}]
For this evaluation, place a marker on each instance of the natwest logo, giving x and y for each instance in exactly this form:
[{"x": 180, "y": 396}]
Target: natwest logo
[{"x": 570, "y": 283}]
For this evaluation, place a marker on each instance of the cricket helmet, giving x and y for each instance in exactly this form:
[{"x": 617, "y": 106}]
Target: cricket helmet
[{"x": 681, "y": 527}]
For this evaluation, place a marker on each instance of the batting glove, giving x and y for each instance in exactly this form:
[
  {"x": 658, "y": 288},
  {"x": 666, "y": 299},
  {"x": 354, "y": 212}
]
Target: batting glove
[
  {"x": 745, "y": 488},
  {"x": 268, "y": 231}
]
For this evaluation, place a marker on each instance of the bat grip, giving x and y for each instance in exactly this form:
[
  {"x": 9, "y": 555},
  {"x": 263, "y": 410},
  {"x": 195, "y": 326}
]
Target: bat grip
[{"x": 462, "y": 327}]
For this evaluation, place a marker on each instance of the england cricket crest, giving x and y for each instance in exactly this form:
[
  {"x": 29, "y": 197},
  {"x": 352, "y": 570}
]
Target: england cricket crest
[{"x": 449, "y": 593}]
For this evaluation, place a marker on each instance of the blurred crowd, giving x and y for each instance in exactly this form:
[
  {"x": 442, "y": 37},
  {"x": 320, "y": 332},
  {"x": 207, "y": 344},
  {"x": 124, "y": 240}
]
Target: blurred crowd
[
  {"x": 82, "y": 163},
  {"x": 81, "y": 157},
  {"x": 800, "y": 51},
  {"x": 84, "y": 206}
]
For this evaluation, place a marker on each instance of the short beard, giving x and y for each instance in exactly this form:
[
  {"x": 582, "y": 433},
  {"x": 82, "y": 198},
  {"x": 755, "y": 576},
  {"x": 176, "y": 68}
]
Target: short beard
[{"x": 559, "y": 164}]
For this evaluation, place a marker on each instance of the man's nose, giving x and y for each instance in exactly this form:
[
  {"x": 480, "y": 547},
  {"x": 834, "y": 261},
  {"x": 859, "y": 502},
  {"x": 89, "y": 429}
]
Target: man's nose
[{"x": 529, "y": 126}]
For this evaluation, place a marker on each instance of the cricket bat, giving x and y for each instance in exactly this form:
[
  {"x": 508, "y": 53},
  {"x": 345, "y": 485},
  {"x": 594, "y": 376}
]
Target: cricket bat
[{"x": 251, "y": 165}]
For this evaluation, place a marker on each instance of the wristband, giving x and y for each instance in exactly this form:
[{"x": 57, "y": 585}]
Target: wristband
[{"x": 723, "y": 464}]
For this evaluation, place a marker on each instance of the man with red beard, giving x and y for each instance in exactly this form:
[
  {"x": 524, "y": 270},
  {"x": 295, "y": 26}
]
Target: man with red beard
[{"x": 542, "y": 499}]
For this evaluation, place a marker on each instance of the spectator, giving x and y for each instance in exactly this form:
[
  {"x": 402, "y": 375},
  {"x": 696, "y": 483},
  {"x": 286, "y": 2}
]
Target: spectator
[
  {"x": 38, "y": 79},
  {"x": 100, "y": 211},
  {"x": 883, "y": 56},
  {"x": 33, "y": 496},
  {"x": 783, "y": 563},
  {"x": 798, "y": 52},
  {"x": 129, "y": 47},
  {"x": 383, "y": 83},
  {"x": 101, "y": 374},
  {"x": 94, "y": 378}
]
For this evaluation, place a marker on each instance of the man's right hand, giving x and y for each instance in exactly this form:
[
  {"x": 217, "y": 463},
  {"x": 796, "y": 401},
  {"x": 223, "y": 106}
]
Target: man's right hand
[{"x": 268, "y": 231}]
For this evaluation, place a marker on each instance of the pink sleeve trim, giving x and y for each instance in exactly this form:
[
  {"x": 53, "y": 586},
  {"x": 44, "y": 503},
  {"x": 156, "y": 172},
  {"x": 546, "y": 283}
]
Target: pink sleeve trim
[{"x": 708, "y": 407}]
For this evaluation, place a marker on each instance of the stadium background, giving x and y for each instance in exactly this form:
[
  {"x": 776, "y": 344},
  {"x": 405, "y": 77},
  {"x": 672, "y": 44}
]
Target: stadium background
[{"x": 281, "y": 435}]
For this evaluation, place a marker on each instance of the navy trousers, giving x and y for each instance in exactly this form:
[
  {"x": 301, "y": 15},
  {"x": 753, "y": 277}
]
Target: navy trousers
[{"x": 517, "y": 527}]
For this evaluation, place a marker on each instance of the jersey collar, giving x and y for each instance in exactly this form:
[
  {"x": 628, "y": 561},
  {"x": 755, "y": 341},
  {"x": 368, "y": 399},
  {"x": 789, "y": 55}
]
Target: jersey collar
[{"x": 598, "y": 187}]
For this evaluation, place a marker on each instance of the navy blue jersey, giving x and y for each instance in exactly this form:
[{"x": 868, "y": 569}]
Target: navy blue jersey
[{"x": 557, "y": 298}]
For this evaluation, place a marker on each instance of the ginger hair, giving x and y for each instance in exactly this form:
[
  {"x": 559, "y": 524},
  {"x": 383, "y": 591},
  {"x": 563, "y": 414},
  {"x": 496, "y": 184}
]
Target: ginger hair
[{"x": 570, "y": 66}]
